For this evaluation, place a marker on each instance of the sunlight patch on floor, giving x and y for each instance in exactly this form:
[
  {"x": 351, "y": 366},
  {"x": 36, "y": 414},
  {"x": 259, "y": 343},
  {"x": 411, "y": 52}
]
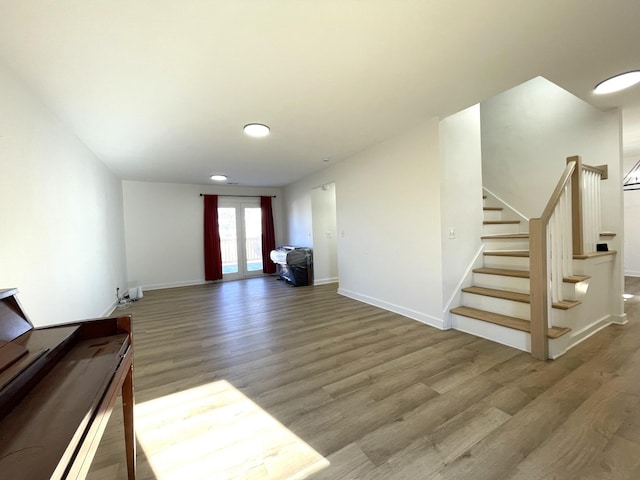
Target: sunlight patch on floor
[{"x": 216, "y": 432}]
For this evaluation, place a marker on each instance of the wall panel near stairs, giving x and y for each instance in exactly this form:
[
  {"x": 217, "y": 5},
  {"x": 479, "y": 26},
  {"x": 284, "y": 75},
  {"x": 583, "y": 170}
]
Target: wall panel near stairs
[{"x": 460, "y": 156}]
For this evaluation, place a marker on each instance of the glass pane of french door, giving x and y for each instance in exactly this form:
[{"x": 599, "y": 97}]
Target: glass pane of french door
[
  {"x": 227, "y": 226},
  {"x": 240, "y": 228},
  {"x": 253, "y": 239}
]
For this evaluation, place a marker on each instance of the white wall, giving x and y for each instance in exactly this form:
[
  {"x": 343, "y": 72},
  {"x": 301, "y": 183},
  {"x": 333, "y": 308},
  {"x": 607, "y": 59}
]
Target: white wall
[
  {"x": 164, "y": 230},
  {"x": 389, "y": 224},
  {"x": 631, "y": 224},
  {"x": 325, "y": 234},
  {"x": 527, "y": 134},
  {"x": 61, "y": 224},
  {"x": 461, "y": 199}
]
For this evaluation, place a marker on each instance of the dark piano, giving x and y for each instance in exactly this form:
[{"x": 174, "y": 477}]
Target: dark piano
[{"x": 58, "y": 386}]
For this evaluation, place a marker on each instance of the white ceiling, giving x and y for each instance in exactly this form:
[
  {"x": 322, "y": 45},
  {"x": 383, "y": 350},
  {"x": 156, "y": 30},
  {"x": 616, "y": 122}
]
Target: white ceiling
[{"x": 159, "y": 89}]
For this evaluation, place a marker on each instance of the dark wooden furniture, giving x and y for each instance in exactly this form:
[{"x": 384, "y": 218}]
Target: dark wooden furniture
[{"x": 58, "y": 386}]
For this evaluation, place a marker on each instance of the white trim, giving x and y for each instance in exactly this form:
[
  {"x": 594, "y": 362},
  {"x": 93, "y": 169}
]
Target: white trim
[
  {"x": 406, "y": 312},
  {"x": 563, "y": 344},
  {"x": 621, "y": 319},
  {"x": 187, "y": 283},
  {"x": 465, "y": 281},
  {"x": 631, "y": 273},
  {"x": 325, "y": 281},
  {"x": 109, "y": 311},
  {"x": 190, "y": 283},
  {"x": 521, "y": 215}
]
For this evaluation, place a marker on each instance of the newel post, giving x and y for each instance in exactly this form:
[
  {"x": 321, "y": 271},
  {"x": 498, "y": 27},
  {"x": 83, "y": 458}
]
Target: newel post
[
  {"x": 539, "y": 288},
  {"x": 576, "y": 205}
]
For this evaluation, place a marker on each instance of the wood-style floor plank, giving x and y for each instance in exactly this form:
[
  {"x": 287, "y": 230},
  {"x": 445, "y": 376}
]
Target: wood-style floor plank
[{"x": 364, "y": 394}]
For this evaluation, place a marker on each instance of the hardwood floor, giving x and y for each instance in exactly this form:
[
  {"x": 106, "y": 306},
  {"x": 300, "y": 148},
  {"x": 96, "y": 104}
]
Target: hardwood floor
[{"x": 377, "y": 395}]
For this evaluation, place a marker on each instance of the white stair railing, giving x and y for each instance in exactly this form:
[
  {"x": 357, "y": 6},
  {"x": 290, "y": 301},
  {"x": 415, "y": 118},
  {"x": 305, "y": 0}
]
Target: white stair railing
[
  {"x": 591, "y": 214},
  {"x": 560, "y": 243},
  {"x": 570, "y": 225}
]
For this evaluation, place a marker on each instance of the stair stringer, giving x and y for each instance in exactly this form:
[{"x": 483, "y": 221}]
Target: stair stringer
[
  {"x": 509, "y": 212},
  {"x": 490, "y": 331},
  {"x": 466, "y": 281}
]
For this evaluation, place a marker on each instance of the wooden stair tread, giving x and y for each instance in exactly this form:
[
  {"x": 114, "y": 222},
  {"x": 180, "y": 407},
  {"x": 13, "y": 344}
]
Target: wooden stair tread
[
  {"x": 506, "y": 321},
  {"x": 501, "y": 222},
  {"x": 502, "y": 271},
  {"x": 525, "y": 274},
  {"x": 566, "y": 304},
  {"x": 593, "y": 255},
  {"x": 507, "y": 253},
  {"x": 576, "y": 278},
  {"x": 508, "y": 235},
  {"x": 516, "y": 296},
  {"x": 493, "y": 209},
  {"x": 495, "y": 293}
]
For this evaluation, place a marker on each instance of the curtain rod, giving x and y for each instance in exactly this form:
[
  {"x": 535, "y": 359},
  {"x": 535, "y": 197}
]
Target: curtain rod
[{"x": 246, "y": 196}]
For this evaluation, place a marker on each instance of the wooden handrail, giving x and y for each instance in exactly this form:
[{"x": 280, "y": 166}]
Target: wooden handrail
[{"x": 555, "y": 196}]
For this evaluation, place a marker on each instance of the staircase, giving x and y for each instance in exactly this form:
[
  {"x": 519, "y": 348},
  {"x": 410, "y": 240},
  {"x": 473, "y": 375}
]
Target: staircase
[
  {"x": 525, "y": 293},
  {"x": 500, "y": 295}
]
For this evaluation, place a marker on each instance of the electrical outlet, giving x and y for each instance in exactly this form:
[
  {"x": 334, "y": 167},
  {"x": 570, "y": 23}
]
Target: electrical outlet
[{"x": 452, "y": 233}]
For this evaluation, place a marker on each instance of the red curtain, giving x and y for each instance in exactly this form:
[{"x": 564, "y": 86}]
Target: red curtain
[
  {"x": 212, "y": 253},
  {"x": 268, "y": 235}
]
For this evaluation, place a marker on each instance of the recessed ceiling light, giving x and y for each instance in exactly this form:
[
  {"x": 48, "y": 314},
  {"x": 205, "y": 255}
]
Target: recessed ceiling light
[
  {"x": 218, "y": 178},
  {"x": 256, "y": 130},
  {"x": 617, "y": 83}
]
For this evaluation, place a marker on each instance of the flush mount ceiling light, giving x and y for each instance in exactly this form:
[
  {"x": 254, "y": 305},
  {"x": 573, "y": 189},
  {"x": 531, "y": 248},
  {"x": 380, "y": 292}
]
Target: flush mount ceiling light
[
  {"x": 617, "y": 83},
  {"x": 256, "y": 130},
  {"x": 218, "y": 178}
]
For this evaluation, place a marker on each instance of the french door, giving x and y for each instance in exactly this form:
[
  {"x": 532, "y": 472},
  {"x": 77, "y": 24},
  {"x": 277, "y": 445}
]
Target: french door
[{"x": 240, "y": 227}]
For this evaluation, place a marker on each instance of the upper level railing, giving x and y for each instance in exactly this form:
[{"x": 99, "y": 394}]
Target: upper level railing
[
  {"x": 569, "y": 225},
  {"x": 229, "y": 250}
]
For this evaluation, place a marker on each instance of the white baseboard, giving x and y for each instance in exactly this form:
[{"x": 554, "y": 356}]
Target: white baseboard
[
  {"x": 631, "y": 273},
  {"x": 619, "y": 319},
  {"x": 406, "y": 312},
  {"x": 325, "y": 281},
  {"x": 186, "y": 283},
  {"x": 109, "y": 311},
  {"x": 562, "y": 345}
]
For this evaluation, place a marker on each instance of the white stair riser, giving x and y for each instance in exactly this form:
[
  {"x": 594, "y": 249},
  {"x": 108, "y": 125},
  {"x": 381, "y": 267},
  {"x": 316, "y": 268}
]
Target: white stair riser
[
  {"x": 513, "y": 263},
  {"x": 496, "y": 333},
  {"x": 492, "y": 215},
  {"x": 500, "y": 228},
  {"x": 560, "y": 317},
  {"x": 580, "y": 289},
  {"x": 572, "y": 291},
  {"x": 497, "y": 305},
  {"x": 502, "y": 282},
  {"x": 506, "y": 243}
]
